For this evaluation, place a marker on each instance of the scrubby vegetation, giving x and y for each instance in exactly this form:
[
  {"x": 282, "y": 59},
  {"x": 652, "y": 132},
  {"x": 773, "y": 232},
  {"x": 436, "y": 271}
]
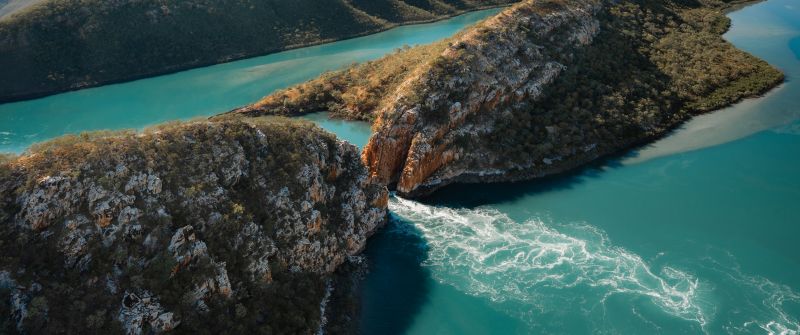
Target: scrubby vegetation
[
  {"x": 653, "y": 65},
  {"x": 85, "y": 220},
  {"x": 194, "y": 223},
  {"x": 355, "y": 93},
  {"x": 4, "y": 157},
  {"x": 544, "y": 87},
  {"x": 63, "y": 44}
]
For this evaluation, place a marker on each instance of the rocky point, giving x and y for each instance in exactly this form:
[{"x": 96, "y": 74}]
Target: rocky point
[{"x": 179, "y": 226}]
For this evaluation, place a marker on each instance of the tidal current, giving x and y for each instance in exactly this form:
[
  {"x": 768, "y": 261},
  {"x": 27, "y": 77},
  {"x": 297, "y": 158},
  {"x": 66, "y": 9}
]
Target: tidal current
[{"x": 694, "y": 234}]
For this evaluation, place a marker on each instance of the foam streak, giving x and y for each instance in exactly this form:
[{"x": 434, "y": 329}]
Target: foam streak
[{"x": 485, "y": 253}]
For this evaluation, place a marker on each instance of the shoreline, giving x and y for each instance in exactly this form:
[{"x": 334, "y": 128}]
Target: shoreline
[
  {"x": 739, "y": 5},
  {"x": 577, "y": 165},
  {"x": 571, "y": 167},
  {"x": 615, "y": 149},
  {"x": 603, "y": 159},
  {"x": 229, "y": 59}
]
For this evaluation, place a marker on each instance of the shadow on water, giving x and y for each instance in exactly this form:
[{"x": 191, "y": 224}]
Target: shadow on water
[
  {"x": 398, "y": 285},
  {"x": 474, "y": 195},
  {"x": 471, "y": 195},
  {"x": 597, "y": 60}
]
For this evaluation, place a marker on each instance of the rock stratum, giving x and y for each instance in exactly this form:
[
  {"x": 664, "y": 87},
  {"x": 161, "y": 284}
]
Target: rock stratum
[
  {"x": 232, "y": 226},
  {"x": 542, "y": 88},
  {"x": 51, "y": 46}
]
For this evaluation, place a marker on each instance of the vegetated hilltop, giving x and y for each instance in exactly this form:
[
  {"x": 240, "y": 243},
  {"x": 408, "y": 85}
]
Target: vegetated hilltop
[
  {"x": 541, "y": 88},
  {"x": 58, "y": 45},
  {"x": 204, "y": 227}
]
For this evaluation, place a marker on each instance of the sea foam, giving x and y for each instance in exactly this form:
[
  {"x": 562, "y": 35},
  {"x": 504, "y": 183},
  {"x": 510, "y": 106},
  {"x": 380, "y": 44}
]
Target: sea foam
[
  {"x": 532, "y": 268},
  {"x": 484, "y": 253}
]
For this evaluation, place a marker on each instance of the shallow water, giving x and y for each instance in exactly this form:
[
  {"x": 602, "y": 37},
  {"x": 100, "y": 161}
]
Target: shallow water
[
  {"x": 202, "y": 92},
  {"x": 696, "y": 233},
  {"x": 769, "y": 31}
]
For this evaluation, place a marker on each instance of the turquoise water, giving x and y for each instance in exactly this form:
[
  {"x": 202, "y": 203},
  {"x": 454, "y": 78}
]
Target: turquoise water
[
  {"x": 354, "y": 132},
  {"x": 697, "y": 233},
  {"x": 201, "y": 92}
]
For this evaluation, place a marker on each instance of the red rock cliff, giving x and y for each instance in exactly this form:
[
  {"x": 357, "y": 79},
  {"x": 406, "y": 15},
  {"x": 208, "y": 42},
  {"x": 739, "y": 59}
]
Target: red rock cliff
[{"x": 490, "y": 67}]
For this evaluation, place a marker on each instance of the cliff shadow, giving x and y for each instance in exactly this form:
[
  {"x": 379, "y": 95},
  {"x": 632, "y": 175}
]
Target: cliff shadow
[
  {"x": 475, "y": 195},
  {"x": 614, "y": 63},
  {"x": 397, "y": 286}
]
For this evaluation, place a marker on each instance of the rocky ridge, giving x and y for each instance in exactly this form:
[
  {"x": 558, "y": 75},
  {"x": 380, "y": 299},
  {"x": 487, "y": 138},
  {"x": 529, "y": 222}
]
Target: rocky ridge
[
  {"x": 202, "y": 227},
  {"x": 542, "y": 88},
  {"x": 487, "y": 69}
]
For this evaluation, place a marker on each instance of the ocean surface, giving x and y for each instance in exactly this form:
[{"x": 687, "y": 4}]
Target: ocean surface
[{"x": 698, "y": 233}]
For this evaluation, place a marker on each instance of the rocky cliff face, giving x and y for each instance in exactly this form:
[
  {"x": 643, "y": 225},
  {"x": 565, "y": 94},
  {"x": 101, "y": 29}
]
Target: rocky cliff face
[
  {"x": 203, "y": 227},
  {"x": 542, "y": 88},
  {"x": 489, "y": 69}
]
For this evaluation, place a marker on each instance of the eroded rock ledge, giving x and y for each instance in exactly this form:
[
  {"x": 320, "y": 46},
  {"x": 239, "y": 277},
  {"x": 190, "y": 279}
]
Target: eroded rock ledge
[
  {"x": 211, "y": 227},
  {"x": 543, "y": 87}
]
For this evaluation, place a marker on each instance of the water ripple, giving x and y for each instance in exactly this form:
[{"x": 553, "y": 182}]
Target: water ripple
[
  {"x": 532, "y": 268},
  {"x": 484, "y": 253}
]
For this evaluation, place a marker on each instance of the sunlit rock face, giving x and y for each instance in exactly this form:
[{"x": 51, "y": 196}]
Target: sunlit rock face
[
  {"x": 168, "y": 228},
  {"x": 548, "y": 86},
  {"x": 486, "y": 72},
  {"x": 540, "y": 89}
]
